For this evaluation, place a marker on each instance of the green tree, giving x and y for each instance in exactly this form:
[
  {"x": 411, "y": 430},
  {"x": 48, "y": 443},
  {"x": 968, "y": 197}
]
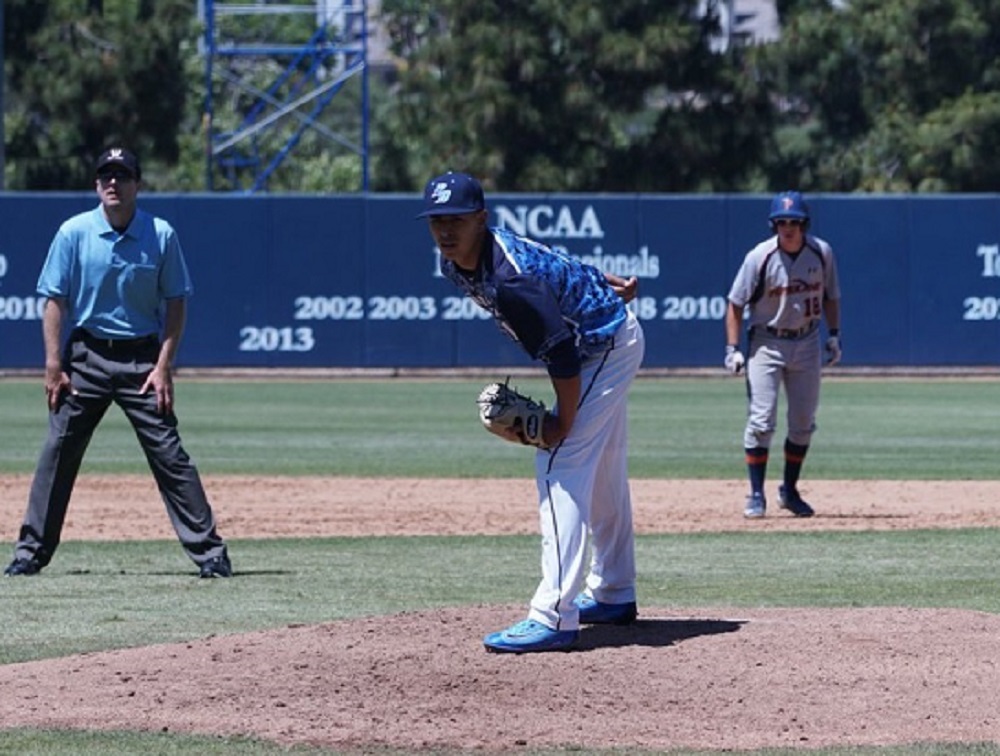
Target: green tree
[
  {"x": 887, "y": 95},
  {"x": 86, "y": 74},
  {"x": 548, "y": 95},
  {"x": 635, "y": 95}
]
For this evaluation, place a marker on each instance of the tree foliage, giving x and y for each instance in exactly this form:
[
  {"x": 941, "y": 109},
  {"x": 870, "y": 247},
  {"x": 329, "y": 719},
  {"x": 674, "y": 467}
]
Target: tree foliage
[
  {"x": 589, "y": 95},
  {"x": 625, "y": 96},
  {"x": 886, "y": 95},
  {"x": 84, "y": 75}
]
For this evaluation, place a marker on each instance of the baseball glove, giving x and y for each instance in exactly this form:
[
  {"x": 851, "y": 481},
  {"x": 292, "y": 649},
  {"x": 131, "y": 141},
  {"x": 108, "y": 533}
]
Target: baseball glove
[{"x": 511, "y": 415}]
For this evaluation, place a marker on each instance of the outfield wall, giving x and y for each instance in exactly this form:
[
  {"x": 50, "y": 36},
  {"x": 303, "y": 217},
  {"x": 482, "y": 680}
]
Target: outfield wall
[{"x": 352, "y": 281}]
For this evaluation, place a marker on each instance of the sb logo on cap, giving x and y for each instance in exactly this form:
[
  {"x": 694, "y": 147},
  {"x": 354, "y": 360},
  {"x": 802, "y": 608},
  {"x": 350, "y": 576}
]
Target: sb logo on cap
[{"x": 441, "y": 193}]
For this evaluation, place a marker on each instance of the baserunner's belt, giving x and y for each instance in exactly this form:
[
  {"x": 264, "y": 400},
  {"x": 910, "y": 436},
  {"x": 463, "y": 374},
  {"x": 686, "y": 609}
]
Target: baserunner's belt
[{"x": 792, "y": 333}]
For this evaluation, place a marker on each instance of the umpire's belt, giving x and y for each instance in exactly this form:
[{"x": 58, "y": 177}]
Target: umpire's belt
[
  {"x": 791, "y": 333},
  {"x": 118, "y": 346}
]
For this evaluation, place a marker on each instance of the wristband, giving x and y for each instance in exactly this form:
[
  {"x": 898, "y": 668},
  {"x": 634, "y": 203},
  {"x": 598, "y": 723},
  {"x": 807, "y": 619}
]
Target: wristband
[
  {"x": 834, "y": 331},
  {"x": 730, "y": 348}
]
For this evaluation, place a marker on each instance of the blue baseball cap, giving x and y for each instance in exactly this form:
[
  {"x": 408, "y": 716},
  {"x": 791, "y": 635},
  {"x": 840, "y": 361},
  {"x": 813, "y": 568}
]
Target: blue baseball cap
[
  {"x": 452, "y": 194},
  {"x": 789, "y": 205}
]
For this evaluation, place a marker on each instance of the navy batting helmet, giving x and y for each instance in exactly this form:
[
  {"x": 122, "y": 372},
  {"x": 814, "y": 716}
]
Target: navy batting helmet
[{"x": 789, "y": 205}]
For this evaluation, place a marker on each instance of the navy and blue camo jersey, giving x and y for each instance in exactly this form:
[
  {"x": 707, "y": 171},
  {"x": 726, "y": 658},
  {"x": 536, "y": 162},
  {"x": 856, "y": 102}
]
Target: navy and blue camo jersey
[{"x": 559, "y": 309}]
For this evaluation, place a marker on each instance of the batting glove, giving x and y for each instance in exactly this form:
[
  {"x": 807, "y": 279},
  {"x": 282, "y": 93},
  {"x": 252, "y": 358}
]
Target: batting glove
[
  {"x": 833, "y": 350},
  {"x": 734, "y": 360}
]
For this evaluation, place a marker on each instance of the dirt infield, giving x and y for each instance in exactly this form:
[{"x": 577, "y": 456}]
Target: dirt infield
[
  {"x": 257, "y": 507},
  {"x": 688, "y": 677}
]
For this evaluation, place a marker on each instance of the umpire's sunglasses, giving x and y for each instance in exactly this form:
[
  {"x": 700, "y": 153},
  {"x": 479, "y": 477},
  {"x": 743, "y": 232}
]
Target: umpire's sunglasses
[{"x": 106, "y": 176}]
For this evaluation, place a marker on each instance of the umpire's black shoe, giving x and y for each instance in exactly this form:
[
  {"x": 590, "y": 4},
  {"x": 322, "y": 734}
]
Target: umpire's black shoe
[
  {"x": 22, "y": 566},
  {"x": 216, "y": 567}
]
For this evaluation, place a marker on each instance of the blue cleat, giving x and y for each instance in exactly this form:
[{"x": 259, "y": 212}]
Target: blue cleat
[
  {"x": 756, "y": 507},
  {"x": 527, "y": 636},
  {"x": 594, "y": 612},
  {"x": 794, "y": 503}
]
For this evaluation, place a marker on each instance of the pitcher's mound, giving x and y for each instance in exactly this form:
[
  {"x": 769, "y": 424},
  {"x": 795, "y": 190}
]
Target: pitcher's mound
[{"x": 720, "y": 679}]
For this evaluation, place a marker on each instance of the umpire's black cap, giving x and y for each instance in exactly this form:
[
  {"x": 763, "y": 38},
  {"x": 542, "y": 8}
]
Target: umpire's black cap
[
  {"x": 452, "y": 194},
  {"x": 120, "y": 158}
]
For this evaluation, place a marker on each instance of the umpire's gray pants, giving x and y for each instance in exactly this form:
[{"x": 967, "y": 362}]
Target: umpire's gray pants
[{"x": 101, "y": 374}]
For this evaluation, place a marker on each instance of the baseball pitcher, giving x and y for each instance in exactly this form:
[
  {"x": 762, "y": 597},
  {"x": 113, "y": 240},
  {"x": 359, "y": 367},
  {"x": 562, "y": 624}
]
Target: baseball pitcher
[{"x": 573, "y": 318}]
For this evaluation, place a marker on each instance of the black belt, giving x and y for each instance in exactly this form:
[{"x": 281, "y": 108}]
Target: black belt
[
  {"x": 791, "y": 333},
  {"x": 118, "y": 345}
]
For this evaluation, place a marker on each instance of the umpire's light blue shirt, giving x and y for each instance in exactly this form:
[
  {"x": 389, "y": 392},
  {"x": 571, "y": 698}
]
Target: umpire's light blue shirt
[{"x": 115, "y": 283}]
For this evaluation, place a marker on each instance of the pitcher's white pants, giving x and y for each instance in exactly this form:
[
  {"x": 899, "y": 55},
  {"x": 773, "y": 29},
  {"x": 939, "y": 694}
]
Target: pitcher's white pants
[{"x": 583, "y": 487}]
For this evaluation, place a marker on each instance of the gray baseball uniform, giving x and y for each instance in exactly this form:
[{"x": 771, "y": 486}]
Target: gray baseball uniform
[
  {"x": 786, "y": 286},
  {"x": 784, "y": 296}
]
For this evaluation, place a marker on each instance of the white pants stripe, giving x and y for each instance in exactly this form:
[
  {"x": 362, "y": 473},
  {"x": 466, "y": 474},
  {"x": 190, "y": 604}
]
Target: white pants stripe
[{"x": 583, "y": 491}]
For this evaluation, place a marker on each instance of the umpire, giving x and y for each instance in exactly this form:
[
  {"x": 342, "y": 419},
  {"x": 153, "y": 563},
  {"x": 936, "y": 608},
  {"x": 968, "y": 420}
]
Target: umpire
[{"x": 116, "y": 278}]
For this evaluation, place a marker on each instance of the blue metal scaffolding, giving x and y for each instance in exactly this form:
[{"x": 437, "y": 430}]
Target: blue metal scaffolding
[{"x": 305, "y": 76}]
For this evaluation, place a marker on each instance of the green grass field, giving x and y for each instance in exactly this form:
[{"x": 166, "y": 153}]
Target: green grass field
[
  {"x": 680, "y": 428},
  {"x": 109, "y": 595}
]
